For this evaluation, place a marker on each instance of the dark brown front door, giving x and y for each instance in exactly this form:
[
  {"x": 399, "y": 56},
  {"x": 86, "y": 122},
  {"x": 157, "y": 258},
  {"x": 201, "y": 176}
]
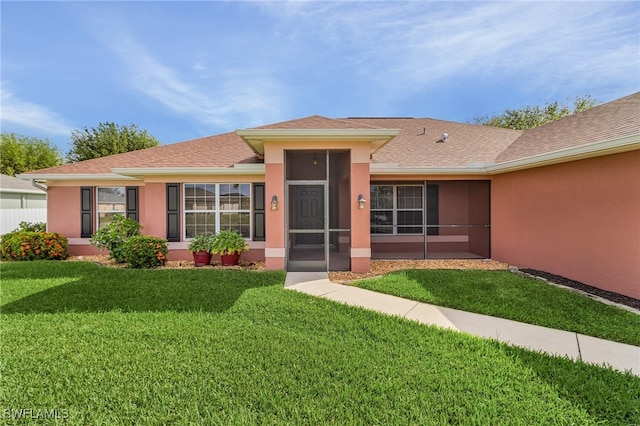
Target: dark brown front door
[{"x": 307, "y": 228}]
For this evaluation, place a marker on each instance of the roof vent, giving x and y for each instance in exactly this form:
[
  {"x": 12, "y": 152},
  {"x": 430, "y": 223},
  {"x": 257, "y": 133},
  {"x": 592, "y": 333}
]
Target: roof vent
[{"x": 443, "y": 138}]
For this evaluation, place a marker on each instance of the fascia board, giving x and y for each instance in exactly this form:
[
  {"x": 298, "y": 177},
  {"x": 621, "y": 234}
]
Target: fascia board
[
  {"x": 391, "y": 170},
  {"x": 73, "y": 176},
  {"x": 23, "y": 191},
  {"x": 612, "y": 146},
  {"x": 238, "y": 169}
]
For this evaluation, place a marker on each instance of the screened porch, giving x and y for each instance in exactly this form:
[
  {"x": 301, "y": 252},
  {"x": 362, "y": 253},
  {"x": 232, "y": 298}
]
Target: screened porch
[{"x": 430, "y": 220}]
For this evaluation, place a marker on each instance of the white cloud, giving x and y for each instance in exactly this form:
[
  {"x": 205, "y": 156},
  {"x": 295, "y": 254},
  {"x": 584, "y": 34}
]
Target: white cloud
[
  {"x": 222, "y": 97},
  {"x": 401, "y": 47},
  {"x": 29, "y": 115}
]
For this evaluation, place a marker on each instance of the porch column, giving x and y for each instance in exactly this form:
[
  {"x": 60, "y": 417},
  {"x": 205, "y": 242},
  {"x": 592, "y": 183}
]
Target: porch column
[
  {"x": 360, "y": 229},
  {"x": 274, "y": 252}
]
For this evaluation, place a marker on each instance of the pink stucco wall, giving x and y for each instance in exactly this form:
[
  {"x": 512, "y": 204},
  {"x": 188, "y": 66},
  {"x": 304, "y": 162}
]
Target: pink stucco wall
[
  {"x": 63, "y": 210},
  {"x": 153, "y": 205},
  {"x": 580, "y": 220}
]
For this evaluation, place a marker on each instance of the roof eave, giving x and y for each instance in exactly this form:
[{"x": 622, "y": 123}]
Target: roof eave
[
  {"x": 237, "y": 169},
  {"x": 256, "y": 138},
  {"x": 445, "y": 171},
  {"x": 40, "y": 177},
  {"x": 597, "y": 149},
  {"x": 22, "y": 191}
]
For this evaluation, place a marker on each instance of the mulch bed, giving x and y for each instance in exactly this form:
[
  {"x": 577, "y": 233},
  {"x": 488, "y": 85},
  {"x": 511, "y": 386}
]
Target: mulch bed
[{"x": 608, "y": 295}]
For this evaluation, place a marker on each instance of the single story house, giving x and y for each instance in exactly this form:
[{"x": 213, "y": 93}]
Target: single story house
[
  {"x": 20, "y": 202},
  {"x": 317, "y": 193}
]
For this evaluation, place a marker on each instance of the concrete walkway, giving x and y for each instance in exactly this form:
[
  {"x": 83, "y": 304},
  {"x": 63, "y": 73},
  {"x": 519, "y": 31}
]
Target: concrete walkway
[{"x": 576, "y": 346}]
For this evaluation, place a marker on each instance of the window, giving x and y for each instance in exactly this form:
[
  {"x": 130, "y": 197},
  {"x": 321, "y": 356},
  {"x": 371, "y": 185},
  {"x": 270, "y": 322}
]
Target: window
[
  {"x": 111, "y": 201},
  {"x": 396, "y": 209},
  {"x": 213, "y": 207}
]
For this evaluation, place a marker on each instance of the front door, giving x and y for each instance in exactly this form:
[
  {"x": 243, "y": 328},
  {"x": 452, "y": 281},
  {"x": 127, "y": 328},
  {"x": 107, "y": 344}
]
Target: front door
[{"x": 307, "y": 227}]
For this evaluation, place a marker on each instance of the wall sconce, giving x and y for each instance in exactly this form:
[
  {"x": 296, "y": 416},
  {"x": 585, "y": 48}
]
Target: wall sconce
[
  {"x": 274, "y": 202},
  {"x": 361, "y": 202},
  {"x": 315, "y": 160}
]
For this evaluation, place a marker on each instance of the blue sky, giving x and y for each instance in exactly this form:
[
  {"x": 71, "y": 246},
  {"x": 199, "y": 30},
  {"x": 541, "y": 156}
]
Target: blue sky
[{"x": 183, "y": 70}]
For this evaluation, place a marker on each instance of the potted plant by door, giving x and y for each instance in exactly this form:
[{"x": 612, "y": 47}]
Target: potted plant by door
[
  {"x": 229, "y": 244},
  {"x": 201, "y": 246}
]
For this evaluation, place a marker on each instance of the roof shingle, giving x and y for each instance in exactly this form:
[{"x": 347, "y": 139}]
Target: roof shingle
[{"x": 608, "y": 121}]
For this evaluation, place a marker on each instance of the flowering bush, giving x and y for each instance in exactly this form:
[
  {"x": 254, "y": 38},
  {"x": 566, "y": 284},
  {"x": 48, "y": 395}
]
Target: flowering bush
[
  {"x": 143, "y": 251},
  {"x": 113, "y": 235},
  {"x": 31, "y": 227},
  {"x": 25, "y": 245}
]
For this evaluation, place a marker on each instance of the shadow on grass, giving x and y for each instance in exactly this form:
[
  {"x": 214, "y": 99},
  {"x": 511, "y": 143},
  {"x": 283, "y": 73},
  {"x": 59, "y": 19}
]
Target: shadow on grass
[
  {"x": 606, "y": 394},
  {"x": 91, "y": 288}
]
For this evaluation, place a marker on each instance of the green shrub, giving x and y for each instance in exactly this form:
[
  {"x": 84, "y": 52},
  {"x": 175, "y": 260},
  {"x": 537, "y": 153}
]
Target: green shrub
[
  {"x": 25, "y": 245},
  {"x": 143, "y": 251},
  {"x": 228, "y": 242},
  {"x": 113, "y": 235},
  {"x": 201, "y": 242},
  {"x": 31, "y": 227}
]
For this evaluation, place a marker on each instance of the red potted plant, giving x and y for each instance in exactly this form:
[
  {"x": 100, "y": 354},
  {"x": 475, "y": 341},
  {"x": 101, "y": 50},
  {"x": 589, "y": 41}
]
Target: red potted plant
[
  {"x": 201, "y": 246},
  {"x": 229, "y": 244}
]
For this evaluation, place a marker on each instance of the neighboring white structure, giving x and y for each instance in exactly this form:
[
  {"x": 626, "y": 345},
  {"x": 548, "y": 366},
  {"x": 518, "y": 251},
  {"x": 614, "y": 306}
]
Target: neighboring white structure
[{"x": 20, "y": 201}]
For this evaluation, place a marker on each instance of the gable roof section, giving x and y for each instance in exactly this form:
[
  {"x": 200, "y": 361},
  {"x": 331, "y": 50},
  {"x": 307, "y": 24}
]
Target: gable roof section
[
  {"x": 317, "y": 128},
  {"x": 607, "y": 122},
  {"x": 220, "y": 151},
  {"x": 319, "y": 122}
]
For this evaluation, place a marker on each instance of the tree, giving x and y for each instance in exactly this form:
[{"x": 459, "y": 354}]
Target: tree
[
  {"x": 19, "y": 154},
  {"x": 534, "y": 116},
  {"x": 108, "y": 139}
]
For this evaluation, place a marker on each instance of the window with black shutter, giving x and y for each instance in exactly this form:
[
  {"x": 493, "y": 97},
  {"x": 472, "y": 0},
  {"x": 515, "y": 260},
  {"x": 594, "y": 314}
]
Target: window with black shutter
[
  {"x": 258, "y": 212},
  {"x": 132, "y": 202},
  {"x": 86, "y": 211},
  {"x": 173, "y": 212}
]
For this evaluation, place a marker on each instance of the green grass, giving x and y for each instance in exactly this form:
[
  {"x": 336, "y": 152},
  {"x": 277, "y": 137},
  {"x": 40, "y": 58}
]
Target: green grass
[
  {"x": 117, "y": 346},
  {"x": 506, "y": 295}
]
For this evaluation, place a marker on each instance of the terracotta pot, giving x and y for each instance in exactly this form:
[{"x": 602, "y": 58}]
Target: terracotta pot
[
  {"x": 201, "y": 258},
  {"x": 230, "y": 259}
]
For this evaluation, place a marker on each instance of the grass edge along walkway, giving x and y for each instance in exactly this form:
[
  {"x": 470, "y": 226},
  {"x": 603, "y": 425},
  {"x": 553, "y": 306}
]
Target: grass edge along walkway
[{"x": 510, "y": 296}]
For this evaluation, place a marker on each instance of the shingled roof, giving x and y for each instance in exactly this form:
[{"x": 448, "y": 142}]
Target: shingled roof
[
  {"x": 223, "y": 150},
  {"x": 419, "y": 143},
  {"x": 608, "y": 121}
]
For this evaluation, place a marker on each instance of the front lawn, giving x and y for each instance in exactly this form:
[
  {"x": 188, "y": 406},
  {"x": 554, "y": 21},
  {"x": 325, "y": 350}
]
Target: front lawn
[
  {"x": 506, "y": 295},
  {"x": 118, "y": 346}
]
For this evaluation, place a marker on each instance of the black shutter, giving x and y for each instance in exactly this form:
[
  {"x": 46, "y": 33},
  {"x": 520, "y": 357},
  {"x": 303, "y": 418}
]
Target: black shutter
[
  {"x": 258, "y": 212},
  {"x": 173, "y": 212},
  {"x": 86, "y": 211},
  {"x": 433, "y": 208},
  {"x": 132, "y": 202}
]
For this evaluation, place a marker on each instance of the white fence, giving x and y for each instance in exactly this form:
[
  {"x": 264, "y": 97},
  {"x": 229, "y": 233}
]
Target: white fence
[{"x": 11, "y": 218}]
